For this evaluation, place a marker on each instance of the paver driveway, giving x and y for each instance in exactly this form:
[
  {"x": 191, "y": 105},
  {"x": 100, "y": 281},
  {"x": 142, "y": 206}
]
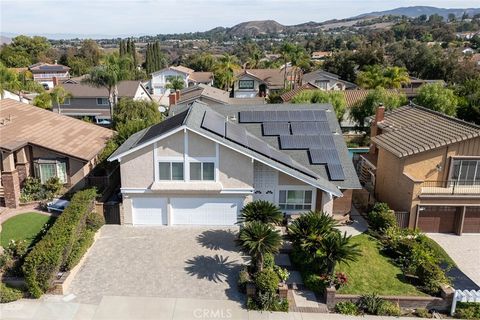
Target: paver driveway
[
  {"x": 464, "y": 250},
  {"x": 167, "y": 262}
]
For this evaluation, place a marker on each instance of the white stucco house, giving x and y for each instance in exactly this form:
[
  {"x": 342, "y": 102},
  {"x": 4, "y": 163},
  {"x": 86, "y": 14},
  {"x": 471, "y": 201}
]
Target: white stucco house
[
  {"x": 202, "y": 164},
  {"x": 160, "y": 79}
]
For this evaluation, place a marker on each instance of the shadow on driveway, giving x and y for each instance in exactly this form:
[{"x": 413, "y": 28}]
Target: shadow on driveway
[{"x": 220, "y": 239}]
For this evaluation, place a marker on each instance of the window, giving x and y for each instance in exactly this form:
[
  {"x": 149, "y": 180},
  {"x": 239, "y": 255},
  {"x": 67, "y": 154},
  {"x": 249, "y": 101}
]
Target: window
[
  {"x": 295, "y": 199},
  {"x": 322, "y": 84},
  {"x": 66, "y": 102},
  {"x": 245, "y": 84},
  {"x": 466, "y": 171},
  {"x": 102, "y": 101},
  {"x": 170, "y": 170},
  {"x": 202, "y": 171},
  {"x": 48, "y": 168}
]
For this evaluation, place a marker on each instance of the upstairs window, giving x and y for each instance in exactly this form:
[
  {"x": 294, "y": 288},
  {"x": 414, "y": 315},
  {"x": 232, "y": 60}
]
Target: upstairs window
[
  {"x": 202, "y": 171},
  {"x": 245, "y": 84},
  {"x": 170, "y": 171},
  {"x": 466, "y": 171},
  {"x": 102, "y": 101}
]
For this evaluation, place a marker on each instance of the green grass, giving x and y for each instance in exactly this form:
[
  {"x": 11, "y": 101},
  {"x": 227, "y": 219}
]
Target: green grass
[
  {"x": 439, "y": 251},
  {"x": 25, "y": 226},
  {"x": 374, "y": 273}
]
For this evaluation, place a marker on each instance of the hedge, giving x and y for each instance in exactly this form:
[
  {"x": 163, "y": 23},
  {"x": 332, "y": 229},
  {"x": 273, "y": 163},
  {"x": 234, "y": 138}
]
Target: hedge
[
  {"x": 60, "y": 248},
  {"x": 8, "y": 294}
]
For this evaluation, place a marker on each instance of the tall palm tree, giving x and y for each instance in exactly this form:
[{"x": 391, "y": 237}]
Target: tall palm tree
[
  {"x": 395, "y": 77},
  {"x": 225, "y": 70},
  {"x": 338, "y": 248},
  {"x": 258, "y": 239},
  {"x": 261, "y": 211},
  {"x": 113, "y": 70},
  {"x": 176, "y": 83},
  {"x": 59, "y": 95},
  {"x": 254, "y": 58},
  {"x": 286, "y": 51}
]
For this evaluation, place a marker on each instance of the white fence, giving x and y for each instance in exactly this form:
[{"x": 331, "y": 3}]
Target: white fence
[{"x": 464, "y": 296}]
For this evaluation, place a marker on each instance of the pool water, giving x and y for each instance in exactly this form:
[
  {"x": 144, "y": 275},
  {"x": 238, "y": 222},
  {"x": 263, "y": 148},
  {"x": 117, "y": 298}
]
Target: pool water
[{"x": 352, "y": 151}]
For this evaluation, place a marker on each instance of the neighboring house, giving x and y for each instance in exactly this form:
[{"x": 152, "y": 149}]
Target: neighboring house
[
  {"x": 14, "y": 96},
  {"x": 160, "y": 79},
  {"x": 327, "y": 81},
  {"x": 208, "y": 95},
  {"x": 427, "y": 165},
  {"x": 201, "y": 165},
  {"x": 37, "y": 142},
  {"x": 251, "y": 83},
  {"x": 92, "y": 102},
  {"x": 288, "y": 96},
  {"x": 320, "y": 55},
  {"x": 48, "y": 74},
  {"x": 411, "y": 88}
]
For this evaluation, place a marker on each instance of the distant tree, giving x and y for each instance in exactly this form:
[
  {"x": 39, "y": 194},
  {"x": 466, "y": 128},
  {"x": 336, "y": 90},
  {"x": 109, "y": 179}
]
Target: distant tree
[
  {"x": 286, "y": 50},
  {"x": 343, "y": 64},
  {"x": 154, "y": 58},
  {"x": 437, "y": 97},
  {"x": 385, "y": 77},
  {"x": 17, "y": 82},
  {"x": 24, "y": 50},
  {"x": 337, "y": 99},
  {"x": 469, "y": 100},
  {"x": 175, "y": 83},
  {"x": 368, "y": 106},
  {"x": 452, "y": 17},
  {"x": 225, "y": 70},
  {"x": 200, "y": 61},
  {"x": 58, "y": 96},
  {"x": 43, "y": 100},
  {"x": 90, "y": 51}
]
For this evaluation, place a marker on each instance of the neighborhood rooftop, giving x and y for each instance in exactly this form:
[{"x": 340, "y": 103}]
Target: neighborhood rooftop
[
  {"x": 126, "y": 88},
  {"x": 22, "y": 124},
  {"x": 413, "y": 129}
]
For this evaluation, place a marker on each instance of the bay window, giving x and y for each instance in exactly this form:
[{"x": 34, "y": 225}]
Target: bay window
[
  {"x": 295, "y": 199},
  {"x": 202, "y": 171},
  {"x": 45, "y": 169},
  {"x": 170, "y": 171}
]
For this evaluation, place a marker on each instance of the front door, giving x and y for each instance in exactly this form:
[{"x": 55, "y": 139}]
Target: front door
[{"x": 265, "y": 181}]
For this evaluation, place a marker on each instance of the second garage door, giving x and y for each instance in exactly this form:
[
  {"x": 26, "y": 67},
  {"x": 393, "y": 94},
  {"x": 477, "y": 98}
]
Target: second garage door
[
  {"x": 205, "y": 211},
  {"x": 149, "y": 211},
  {"x": 437, "y": 219},
  {"x": 471, "y": 223}
]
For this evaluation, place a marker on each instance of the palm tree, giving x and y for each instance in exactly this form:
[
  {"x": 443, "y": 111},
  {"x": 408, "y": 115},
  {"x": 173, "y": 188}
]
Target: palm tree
[
  {"x": 388, "y": 78},
  {"x": 113, "y": 70},
  {"x": 59, "y": 95},
  {"x": 286, "y": 51},
  {"x": 225, "y": 70},
  {"x": 309, "y": 230},
  {"x": 395, "y": 77},
  {"x": 254, "y": 58},
  {"x": 258, "y": 239},
  {"x": 261, "y": 211},
  {"x": 175, "y": 83},
  {"x": 338, "y": 248}
]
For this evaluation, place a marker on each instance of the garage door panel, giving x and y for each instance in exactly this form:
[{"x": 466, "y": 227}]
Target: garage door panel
[
  {"x": 149, "y": 211},
  {"x": 437, "y": 219},
  {"x": 204, "y": 211},
  {"x": 471, "y": 223}
]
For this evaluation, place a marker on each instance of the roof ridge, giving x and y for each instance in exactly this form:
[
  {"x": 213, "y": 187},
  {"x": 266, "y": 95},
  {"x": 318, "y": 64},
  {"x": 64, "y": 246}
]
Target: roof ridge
[{"x": 443, "y": 115}]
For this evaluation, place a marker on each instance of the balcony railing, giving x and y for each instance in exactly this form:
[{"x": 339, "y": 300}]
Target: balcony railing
[{"x": 451, "y": 187}]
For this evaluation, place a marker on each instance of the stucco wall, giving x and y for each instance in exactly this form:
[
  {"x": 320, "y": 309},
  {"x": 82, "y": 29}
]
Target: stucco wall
[
  {"x": 199, "y": 146},
  {"x": 285, "y": 179},
  {"x": 136, "y": 169},
  {"x": 236, "y": 170},
  {"x": 171, "y": 146}
]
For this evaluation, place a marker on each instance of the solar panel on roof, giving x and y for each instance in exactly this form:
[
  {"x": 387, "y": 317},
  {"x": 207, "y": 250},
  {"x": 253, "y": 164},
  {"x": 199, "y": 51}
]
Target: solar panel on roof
[
  {"x": 258, "y": 116},
  {"x": 327, "y": 142},
  {"x": 300, "y": 142},
  {"x": 237, "y": 134},
  {"x": 310, "y": 128},
  {"x": 335, "y": 172},
  {"x": 245, "y": 116},
  {"x": 320, "y": 115},
  {"x": 163, "y": 127},
  {"x": 282, "y": 116},
  {"x": 324, "y": 156},
  {"x": 270, "y": 116},
  {"x": 259, "y": 146},
  {"x": 214, "y": 122},
  {"x": 275, "y": 128}
]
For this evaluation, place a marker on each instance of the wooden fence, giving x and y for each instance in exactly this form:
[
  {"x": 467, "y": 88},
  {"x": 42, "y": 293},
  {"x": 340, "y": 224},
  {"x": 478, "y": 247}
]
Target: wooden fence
[{"x": 402, "y": 218}]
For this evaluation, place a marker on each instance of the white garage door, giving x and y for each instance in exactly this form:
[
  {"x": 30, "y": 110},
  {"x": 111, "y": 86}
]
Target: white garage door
[
  {"x": 149, "y": 211},
  {"x": 205, "y": 211}
]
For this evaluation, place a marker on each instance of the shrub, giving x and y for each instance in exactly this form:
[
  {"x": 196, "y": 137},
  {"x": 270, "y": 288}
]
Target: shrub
[
  {"x": 95, "y": 221},
  {"x": 12, "y": 258},
  {"x": 267, "y": 301},
  {"x": 466, "y": 310},
  {"x": 422, "y": 313},
  {"x": 8, "y": 294},
  {"x": 53, "y": 186},
  {"x": 380, "y": 218},
  {"x": 267, "y": 280},
  {"x": 347, "y": 308},
  {"x": 388, "y": 308},
  {"x": 79, "y": 249},
  {"x": 243, "y": 279},
  {"x": 315, "y": 282},
  {"x": 370, "y": 303},
  {"x": 261, "y": 211},
  {"x": 50, "y": 255},
  {"x": 268, "y": 261},
  {"x": 282, "y": 273}
]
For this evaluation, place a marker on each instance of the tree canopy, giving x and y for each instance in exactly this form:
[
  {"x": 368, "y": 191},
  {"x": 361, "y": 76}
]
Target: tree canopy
[
  {"x": 437, "y": 97},
  {"x": 385, "y": 77},
  {"x": 337, "y": 99}
]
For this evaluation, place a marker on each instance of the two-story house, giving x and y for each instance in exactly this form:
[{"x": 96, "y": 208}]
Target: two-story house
[
  {"x": 49, "y": 74},
  {"x": 202, "y": 164},
  {"x": 160, "y": 79},
  {"x": 327, "y": 81},
  {"x": 39, "y": 143},
  {"x": 427, "y": 165},
  {"x": 91, "y": 102},
  {"x": 251, "y": 83}
]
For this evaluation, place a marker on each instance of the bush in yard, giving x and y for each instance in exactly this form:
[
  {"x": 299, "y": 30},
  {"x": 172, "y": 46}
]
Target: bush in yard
[
  {"x": 261, "y": 211},
  {"x": 347, "y": 308},
  {"x": 380, "y": 218},
  {"x": 8, "y": 294},
  {"x": 12, "y": 258},
  {"x": 282, "y": 273},
  {"x": 267, "y": 280},
  {"x": 466, "y": 310},
  {"x": 61, "y": 245},
  {"x": 422, "y": 313},
  {"x": 243, "y": 279},
  {"x": 79, "y": 249},
  {"x": 388, "y": 308},
  {"x": 53, "y": 186},
  {"x": 95, "y": 221},
  {"x": 370, "y": 303}
]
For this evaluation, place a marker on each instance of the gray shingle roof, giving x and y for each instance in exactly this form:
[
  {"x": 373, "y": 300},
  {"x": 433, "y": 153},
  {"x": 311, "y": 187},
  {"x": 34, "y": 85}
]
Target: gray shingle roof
[{"x": 413, "y": 129}]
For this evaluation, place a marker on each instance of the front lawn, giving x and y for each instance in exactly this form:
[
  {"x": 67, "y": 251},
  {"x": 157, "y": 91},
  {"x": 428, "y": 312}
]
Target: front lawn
[
  {"x": 25, "y": 226},
  {"x": 374, "y": 272}
]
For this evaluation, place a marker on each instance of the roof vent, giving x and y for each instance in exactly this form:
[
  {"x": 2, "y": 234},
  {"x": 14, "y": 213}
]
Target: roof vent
[{"x": 231, "y": 118}]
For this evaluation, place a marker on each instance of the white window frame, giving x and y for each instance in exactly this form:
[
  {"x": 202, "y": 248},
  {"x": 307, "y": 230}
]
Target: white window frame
[
  {"x": 66, "y": 102},
  {"x": 37, "y": 163},
  {"x": 202, "y": 161},
  {"x": 296, "y": 188},
  {"x": 245, "y": 80},
  {"x": 102, "y": 104},
  {"x": 461, "y": 159},
  {"x": 168, "y": 160}
]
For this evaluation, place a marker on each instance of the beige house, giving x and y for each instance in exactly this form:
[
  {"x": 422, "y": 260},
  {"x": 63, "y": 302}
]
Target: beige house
[
  {"x": 201, "y": 165},
  {"x": 40, "y": 143},
  {"x": 252, "y": 83},
  {"x": 427, "y": 165}
]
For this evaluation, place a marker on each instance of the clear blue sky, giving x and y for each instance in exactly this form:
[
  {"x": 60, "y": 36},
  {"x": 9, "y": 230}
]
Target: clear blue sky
[{"x": 136, "y": 17}]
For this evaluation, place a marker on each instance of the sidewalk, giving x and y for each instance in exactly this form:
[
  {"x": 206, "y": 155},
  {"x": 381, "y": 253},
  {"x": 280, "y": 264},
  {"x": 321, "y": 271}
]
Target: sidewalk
[{"x": 149, "y": 308}]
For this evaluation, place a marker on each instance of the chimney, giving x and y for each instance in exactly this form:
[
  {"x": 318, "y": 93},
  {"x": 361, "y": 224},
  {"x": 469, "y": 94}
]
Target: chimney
[
  {"x": 379, "y": 116},
  {"x": 177, "y": 94},
  {"x": 55, "y": 61},
  {"x": 172, "y": 99},
  {"x": 55, "y": 81}
]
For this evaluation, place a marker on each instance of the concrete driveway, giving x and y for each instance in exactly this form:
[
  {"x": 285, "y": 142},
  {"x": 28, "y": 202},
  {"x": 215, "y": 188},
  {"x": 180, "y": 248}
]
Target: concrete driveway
[
  {"x": 464, "y": 250},
  {"x": 165, "y": 262}
]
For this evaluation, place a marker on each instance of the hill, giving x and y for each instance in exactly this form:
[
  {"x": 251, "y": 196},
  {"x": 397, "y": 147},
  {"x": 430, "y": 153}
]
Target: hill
[
  {"x": 416, "y": 11},
  {"x": 253, "y": 28}
]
